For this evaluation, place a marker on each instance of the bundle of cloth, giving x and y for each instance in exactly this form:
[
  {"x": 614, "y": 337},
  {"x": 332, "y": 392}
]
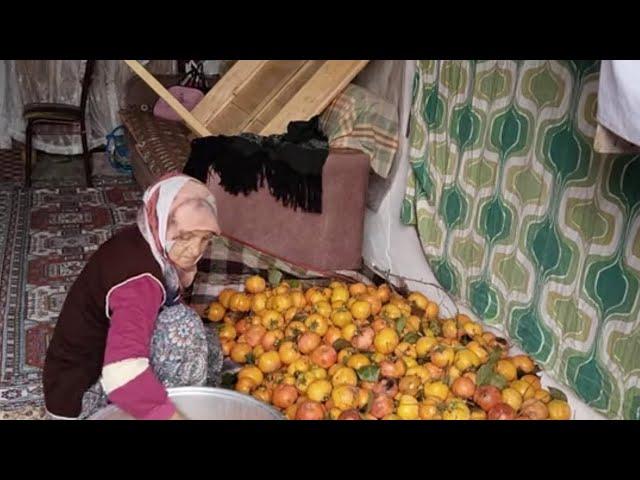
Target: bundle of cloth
[{"x": 290, "y": 164}]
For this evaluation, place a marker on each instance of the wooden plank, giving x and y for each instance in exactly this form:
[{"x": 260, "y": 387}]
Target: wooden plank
[
  {"x": 249, "y": 94},
  {"x": 256, "y": 126},
  {"x": 251, "y": 123},
  {"x": 262, "y": 96},
  {"x": 265, "y": 83},
  {"x": 282, "y": 97},
  {"x": 224, "y": 91},
  {"x": 316, "y": 94},
  {"x": 229, "y": 121},
  {"x": 192, "y": 122}
]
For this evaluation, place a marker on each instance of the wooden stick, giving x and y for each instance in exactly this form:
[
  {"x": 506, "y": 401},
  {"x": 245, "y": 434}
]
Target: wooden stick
[{"x": 191, "y": 121}]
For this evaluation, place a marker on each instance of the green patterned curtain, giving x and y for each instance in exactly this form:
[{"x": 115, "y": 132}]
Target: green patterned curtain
[{"x": 524, "y": 223}]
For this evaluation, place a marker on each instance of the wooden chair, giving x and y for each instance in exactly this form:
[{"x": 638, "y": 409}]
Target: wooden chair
[{"x": 36, "y": 114}]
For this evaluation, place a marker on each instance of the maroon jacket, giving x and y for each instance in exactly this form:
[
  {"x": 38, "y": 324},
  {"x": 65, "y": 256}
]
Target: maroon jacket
[{"x": 76, "y": 353}]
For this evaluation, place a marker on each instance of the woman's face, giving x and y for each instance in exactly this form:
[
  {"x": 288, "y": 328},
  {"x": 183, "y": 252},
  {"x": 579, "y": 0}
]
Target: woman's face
[
  {"x": 188, "y": 247},
  {"x": 186, "y": 233}
]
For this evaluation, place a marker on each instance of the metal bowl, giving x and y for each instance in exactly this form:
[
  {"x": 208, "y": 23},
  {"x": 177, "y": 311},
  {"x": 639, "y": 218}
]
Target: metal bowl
[{"x": 204, "y": 403}]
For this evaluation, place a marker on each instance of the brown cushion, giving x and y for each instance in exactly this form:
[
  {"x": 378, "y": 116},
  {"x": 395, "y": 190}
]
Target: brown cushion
[{"x": 163, "y": 145}]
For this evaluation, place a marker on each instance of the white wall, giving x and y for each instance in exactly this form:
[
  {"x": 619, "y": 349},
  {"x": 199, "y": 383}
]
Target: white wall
[
  {"x": 388, "y": 244},
  {"x": 211, "y": 67}
]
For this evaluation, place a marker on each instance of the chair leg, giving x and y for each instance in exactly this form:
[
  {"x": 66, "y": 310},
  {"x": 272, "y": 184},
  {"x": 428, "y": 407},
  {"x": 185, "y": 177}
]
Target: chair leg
[
  {"x": 28, "y": 154},
  {"x": 86, "y": 154}
]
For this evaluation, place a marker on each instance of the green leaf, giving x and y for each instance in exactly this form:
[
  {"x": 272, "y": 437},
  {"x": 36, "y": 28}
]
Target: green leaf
[
  {"x": 557, "y": 394},
  {"x": 250, "y": 358},
  {"x": 434, "y": 326},
  {"x": 235, "y": 316},
  {"x": 424, "y": 325},
  {"x": 369, "y": 373},
  {"x": 411, "y": 338},
  {"x": 497, "y": 381},
  {"x": 293, "y": 283},
  {"x": 275, "y": 277},
  {"x": 228, "y": 380},
  {"x": 494, "y": 356},
  {"x": 367, "y": 407},
  {"x": 483, "y": 374},
  {"x": 400, "y": 324},
  {"x": 340, "y": 344},
  {"x": 300, "y": 317}
]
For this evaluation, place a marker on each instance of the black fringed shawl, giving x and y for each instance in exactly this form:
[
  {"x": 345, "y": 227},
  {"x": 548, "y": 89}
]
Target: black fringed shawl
[{"x": 291, "y": 163}]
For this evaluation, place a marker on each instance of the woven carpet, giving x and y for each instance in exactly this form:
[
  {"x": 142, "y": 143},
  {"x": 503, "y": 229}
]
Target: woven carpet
[{"x": 46, "y": 236}]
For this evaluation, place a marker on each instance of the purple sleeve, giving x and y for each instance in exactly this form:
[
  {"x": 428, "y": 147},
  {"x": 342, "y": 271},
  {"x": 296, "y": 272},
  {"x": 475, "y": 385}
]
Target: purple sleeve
[{"x": 134, "y": 307}]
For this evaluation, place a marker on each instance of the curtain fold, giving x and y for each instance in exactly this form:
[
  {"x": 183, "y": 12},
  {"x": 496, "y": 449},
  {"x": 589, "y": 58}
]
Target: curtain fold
[{"x": 27, "y": 81}]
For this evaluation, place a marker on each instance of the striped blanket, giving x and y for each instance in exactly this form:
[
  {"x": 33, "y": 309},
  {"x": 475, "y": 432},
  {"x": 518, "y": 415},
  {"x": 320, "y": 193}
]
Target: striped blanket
[{"x": 357, "y": 119}]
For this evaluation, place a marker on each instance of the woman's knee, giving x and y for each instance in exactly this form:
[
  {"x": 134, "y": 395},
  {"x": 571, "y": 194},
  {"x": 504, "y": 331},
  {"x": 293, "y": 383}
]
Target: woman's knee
[{"x": 179, "y": 347}]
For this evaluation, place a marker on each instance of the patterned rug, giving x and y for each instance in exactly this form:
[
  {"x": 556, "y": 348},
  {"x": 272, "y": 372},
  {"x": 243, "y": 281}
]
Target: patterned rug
[
  {"x": 53, "y": 171},
  {"x": 11, "y": 168},
  {"x": 46, "y": 237}
]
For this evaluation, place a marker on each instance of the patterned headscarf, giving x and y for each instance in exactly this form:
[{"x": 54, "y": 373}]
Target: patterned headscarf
[{"x": 161, "y": 201}]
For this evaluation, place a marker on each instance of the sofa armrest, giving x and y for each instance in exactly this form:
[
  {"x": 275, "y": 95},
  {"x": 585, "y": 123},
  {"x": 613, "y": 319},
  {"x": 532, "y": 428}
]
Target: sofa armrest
[{"x": 331, "y": 240}]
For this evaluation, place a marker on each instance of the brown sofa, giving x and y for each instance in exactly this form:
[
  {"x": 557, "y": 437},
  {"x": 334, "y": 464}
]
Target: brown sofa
[{"x": 328, "y": 241}]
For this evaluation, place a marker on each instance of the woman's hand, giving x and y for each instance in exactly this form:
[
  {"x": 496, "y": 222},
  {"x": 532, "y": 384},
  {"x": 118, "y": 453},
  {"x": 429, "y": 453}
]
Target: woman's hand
[{"x": 178, "y": 416}]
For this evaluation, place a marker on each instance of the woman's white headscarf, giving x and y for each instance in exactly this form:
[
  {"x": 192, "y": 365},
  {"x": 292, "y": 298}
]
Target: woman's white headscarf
[{"x": 160, "y": 202}]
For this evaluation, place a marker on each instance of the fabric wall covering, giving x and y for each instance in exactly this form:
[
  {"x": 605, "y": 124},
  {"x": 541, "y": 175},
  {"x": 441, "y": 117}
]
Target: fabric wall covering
[{"x": 524, "y": 223}]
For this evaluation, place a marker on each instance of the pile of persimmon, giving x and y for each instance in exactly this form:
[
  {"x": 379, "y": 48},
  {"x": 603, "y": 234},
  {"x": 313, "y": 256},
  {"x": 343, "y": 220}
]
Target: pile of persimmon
[{"x": 357, "y": 351}]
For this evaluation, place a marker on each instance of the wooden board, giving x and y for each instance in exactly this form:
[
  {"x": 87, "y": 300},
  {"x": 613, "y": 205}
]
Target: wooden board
[
  {"x": 282, "y": 97},
  {"x": 252, "y": 95},
  {"x": 316, "y": 94},
  {"x": 223, "y": 92},
  {"x": 262, "y": 96}
]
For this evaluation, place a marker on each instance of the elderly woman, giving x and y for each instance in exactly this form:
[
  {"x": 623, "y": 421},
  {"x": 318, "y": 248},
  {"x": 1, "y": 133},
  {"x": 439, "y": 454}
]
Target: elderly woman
[{"x": 124, "y": 335}]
